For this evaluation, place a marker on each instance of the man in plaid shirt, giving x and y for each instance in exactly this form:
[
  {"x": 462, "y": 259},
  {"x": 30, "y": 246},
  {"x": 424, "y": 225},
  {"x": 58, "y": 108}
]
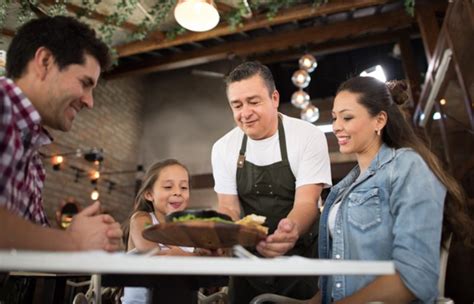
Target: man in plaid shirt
[{"x": 53, "y": 64}]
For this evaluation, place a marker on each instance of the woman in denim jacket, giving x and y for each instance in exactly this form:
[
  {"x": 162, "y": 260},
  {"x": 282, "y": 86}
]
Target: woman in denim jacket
[{"x": 390, "y": 206}]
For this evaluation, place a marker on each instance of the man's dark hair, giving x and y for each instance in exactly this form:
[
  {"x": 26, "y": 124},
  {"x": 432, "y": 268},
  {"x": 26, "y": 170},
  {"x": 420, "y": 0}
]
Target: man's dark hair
[
  {"x": 249, "y": 69},
  {"x": 68, "y": 39}
]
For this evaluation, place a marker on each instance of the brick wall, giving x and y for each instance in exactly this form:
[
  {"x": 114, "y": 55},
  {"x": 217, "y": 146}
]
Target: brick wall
[{"x": 115, "y": 125}]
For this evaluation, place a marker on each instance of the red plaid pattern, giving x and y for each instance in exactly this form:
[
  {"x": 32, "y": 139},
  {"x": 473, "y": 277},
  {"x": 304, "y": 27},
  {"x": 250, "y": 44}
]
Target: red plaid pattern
[{"x": 21, "y": 169}]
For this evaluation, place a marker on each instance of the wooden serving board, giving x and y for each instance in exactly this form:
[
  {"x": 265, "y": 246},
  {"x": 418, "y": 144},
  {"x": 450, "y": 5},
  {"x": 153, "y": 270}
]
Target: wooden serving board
[{"x": 203, "y": 234}]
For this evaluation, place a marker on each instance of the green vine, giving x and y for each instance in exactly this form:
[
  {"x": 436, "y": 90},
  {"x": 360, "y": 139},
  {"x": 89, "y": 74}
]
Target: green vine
[
  {"x": 25, "y": 14},
  {"x": 410, "y": 7},
  {"x": 3, "y": 11},
  {"x": 235, "y": 18},
  {"x": 159, "y": 11},
  {"x": 87, "y": 7},
  {"x": 175, "y": 32}
]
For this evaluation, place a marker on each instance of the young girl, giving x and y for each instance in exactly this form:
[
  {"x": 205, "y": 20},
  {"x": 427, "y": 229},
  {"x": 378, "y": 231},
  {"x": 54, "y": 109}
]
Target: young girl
[{"x": 165, "y": 189}]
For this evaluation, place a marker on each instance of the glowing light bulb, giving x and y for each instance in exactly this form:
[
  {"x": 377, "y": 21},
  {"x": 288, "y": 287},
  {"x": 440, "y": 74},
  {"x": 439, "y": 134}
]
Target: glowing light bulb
[
  {"x": 95, "y": 194},
  {"x": 310, "y": 113},
  {"x": 308, "y": 62},
  {"x": 57, "y": 161},
  {"x": 300, "y": 99}
]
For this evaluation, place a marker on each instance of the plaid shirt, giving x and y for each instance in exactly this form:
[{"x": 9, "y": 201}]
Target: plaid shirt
[{"x": 21, "y": 169}]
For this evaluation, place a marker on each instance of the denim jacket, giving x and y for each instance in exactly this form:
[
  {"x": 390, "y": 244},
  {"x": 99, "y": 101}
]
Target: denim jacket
[{"x": 393, "y": 211}]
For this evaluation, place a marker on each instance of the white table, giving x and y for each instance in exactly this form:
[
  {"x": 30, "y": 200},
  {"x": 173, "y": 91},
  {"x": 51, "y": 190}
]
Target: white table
[
  {"x": 120, "y": 263},
  {"x": 95, "y": 262}
]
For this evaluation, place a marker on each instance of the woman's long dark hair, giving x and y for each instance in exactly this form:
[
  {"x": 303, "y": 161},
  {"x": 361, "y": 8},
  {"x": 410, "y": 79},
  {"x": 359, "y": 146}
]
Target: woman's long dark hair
[
  {"x": 376, "y": 97},
  {"x": 149, "y": 179}
]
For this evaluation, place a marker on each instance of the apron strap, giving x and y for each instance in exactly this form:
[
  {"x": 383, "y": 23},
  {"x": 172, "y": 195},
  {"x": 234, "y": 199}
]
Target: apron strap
[{"x": 282, "y": 139}]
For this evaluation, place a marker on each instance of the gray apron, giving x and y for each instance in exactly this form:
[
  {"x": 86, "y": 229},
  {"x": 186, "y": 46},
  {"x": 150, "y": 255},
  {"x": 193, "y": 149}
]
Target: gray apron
[{"x": 270, "y": 191}]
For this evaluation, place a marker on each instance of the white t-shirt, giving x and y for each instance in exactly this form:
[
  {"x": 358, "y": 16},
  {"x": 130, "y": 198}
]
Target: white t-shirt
[{"x": 306, "y": 147}]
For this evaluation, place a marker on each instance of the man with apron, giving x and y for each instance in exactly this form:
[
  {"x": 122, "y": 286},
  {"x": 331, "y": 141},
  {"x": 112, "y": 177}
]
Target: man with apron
[{"x": 271, "y": 165}]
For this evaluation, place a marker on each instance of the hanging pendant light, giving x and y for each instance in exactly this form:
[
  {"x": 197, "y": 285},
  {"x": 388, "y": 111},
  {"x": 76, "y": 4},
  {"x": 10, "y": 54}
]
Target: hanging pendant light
[
  {"x": 300, "y": 99},
  {"x": 310, "y": 113},
  {"x": 301, "y": 79},
  {"x": 196, "y": 15},
  {"x": 308, "y": 62}
]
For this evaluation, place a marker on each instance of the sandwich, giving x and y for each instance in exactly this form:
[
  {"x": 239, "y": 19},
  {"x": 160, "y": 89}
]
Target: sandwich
[{"x": 254, "y": 221}]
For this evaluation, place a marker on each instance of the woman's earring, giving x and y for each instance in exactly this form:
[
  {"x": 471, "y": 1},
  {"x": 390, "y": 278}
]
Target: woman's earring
[{"x": 378, "y": 132}]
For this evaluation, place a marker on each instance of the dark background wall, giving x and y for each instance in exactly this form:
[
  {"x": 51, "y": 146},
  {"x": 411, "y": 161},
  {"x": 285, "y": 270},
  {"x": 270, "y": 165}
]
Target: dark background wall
[{"x": 115, "y": 125}]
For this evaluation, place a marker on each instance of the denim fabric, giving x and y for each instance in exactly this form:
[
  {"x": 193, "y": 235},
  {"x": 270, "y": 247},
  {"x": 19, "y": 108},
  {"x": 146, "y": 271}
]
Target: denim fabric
[{"x": 393, "y": 211}]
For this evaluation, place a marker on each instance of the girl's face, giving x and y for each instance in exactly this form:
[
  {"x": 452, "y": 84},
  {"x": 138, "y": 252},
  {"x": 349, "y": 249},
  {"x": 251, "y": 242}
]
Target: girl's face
[
  {"x": 170, "y": 192},
  {"x": 353, "y": 125}
]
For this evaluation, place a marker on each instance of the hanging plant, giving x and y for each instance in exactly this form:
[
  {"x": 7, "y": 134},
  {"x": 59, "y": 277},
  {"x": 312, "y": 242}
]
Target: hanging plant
[
  {"x": 87, "y": 7},
  {"x": 175, "y": 32},
  {"x": 159, "y": 11},
  {"x": 25, "y": 14},
  {"x": 124, "y": 10},
  {"x": 3, "y": 11}
]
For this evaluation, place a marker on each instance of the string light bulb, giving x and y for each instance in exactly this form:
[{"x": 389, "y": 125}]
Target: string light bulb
[
  {"x": 95, "y": 194},
  {"x": 94, "y": 176},
  {"x": 57, "y": 160}
]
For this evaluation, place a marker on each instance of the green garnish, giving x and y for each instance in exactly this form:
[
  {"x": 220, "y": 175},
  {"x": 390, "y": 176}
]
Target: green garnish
[{"x": 192, "y": 217}]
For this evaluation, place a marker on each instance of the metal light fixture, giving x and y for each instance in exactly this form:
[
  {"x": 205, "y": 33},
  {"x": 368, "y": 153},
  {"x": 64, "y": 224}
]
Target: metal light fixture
[
  {"x": 300, "y": 99},
  {"x": 310, "y": 113},
  {"x": 308, "y": 62},
  {"x": 196, "y": 15},
  {"x": 301, "y": 79}
]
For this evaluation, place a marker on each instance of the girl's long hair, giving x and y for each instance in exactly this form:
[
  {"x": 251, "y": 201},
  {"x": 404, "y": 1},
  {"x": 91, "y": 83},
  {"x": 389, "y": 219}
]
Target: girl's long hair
[{"x": 376, "y": 96}]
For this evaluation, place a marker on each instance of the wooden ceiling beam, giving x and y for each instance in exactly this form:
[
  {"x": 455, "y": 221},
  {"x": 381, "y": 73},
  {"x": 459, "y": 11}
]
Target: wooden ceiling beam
[
  {"x": 344, "y": 45},
  {"x": 259, "y": 21},
  {"x": 284, "y": 40},
  {"x": 412, "y": 74},
  {"x": 429, "y": 28},
  {"x": 7, "y": 32},
  {"x": 223, "y": 8}
]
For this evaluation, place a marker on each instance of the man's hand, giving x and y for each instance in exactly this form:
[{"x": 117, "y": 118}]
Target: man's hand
[
  {"x": 282, "y": 240},
  {"x": 93, "y": 231}
]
